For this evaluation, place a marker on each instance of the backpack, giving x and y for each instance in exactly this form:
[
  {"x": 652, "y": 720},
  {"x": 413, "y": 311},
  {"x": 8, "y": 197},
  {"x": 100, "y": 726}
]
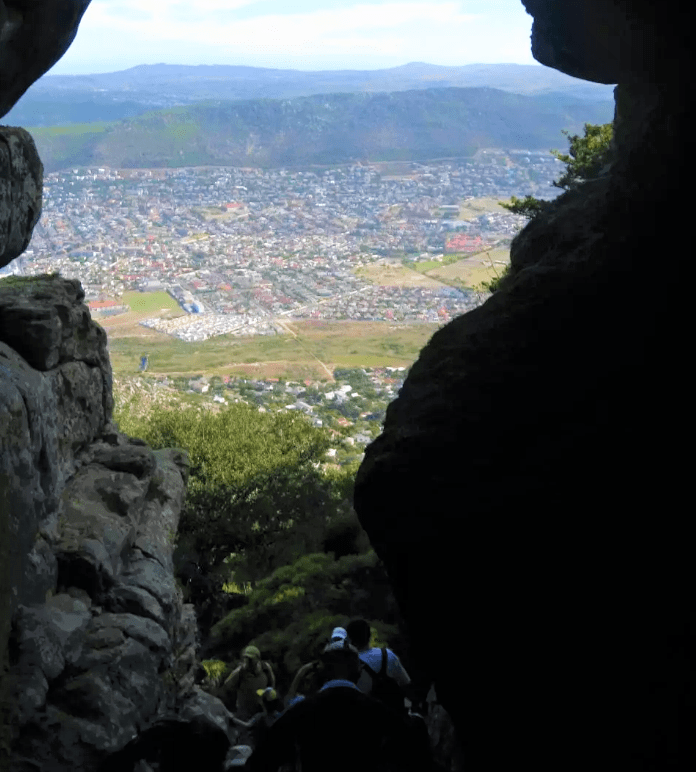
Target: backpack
[{"x": 384, "y": 688}]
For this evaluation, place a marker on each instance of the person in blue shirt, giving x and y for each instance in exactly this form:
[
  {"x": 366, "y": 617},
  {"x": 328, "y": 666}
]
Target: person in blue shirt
[{"x": 359, "y": 634}]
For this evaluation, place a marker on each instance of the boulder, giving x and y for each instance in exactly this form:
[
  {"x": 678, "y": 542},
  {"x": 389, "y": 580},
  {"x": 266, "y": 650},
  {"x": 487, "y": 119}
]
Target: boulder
[
  {"x": 101, "y": 642},
  {"x": 526, "y": 492},
  {"x": 34, "y": 35},
  {"x": 21, "y": 184}
]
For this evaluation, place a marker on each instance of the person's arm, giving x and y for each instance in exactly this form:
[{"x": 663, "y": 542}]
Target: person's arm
[
  {"x": 239, "y": 722},
  {"x": 298, "y": 679},
  {"x": 274, "y": 750},
  {"x": 396, "y": 670},
  {"x": 229, "y": 686},
  {"x": 271, "y": 674}
]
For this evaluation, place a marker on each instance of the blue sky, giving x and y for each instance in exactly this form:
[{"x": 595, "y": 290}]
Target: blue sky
[{"x": 303, "y": 34}]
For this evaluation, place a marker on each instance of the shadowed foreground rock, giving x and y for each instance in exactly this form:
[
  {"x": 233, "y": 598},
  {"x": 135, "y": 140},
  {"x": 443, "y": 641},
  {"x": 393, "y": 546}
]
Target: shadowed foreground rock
[
  {"x": 101, "y": 644},
  {"x": 527, "y": 493},
  {"x": 34, "y": 34},
  {"x": 21, "y": 184}
]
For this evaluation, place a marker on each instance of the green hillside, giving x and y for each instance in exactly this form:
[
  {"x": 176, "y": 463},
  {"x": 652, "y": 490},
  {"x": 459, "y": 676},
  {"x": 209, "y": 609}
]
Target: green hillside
[{"x": 323, "y": 129}]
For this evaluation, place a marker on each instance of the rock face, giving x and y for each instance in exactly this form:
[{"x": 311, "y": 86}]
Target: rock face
[
  {"x": 100, "y": 644},
  {"x": 21, "y": 182},
  {"x": 528, "y": 469},
  {"x": 33, "y": 37}
]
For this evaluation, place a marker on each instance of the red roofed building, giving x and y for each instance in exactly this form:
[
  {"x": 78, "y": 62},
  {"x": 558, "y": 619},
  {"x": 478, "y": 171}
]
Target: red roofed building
[
  {"x": 103, "y": 304},
  {"x": 462, "y": 242}
]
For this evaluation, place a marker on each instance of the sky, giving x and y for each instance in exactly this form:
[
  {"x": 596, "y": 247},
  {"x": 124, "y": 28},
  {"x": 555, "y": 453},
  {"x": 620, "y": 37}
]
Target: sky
[{"x": 302, "y": 35}]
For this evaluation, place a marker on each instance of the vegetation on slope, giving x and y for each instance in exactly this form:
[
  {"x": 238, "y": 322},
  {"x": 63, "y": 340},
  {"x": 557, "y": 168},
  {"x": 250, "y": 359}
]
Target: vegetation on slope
[{"x": 321, "y": 129}]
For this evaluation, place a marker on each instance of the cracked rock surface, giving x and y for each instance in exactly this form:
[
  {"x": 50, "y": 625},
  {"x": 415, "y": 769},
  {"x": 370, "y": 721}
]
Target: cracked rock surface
[{"x": 101, "y": 644}]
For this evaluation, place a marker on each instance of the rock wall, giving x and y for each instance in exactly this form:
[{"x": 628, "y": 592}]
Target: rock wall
[
  {"x": 528, "y": 468},
  {"x": 101, "y": 644}
]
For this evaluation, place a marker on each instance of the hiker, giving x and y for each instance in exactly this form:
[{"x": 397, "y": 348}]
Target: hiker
[
  {"x": 339, "y": 634},
  {"x": 339, "y": 728},
  {"x": 310, "y": 669},
  {"x": 240, "y": 692},
  {"x": 383, "y": 676},
  {"x": 259, "y": 724}
]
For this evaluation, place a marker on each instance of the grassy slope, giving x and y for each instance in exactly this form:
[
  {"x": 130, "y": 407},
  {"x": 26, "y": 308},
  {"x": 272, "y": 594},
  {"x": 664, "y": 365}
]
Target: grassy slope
[
  {"x": 335, "y": 128},
  {"x": 336, "y": 344}
]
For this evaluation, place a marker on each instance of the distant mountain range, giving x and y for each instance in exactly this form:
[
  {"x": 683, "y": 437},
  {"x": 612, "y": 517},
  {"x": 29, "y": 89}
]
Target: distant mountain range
[
  {"x": 63, "y": 99},
  {"x": 423, "y": 124}
]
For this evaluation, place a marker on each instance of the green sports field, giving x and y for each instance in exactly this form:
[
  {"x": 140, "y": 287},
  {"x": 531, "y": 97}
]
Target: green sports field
[{"x": 150, "y": 302}]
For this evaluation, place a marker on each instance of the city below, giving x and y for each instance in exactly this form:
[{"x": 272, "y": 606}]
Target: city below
[{"x": 241, "y": 251}]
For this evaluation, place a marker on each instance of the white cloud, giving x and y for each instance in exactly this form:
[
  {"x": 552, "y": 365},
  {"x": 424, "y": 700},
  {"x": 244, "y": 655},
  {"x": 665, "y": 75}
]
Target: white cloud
[
  {"x": 205, "y": 23},
  {"x": 227, "y": 31}
]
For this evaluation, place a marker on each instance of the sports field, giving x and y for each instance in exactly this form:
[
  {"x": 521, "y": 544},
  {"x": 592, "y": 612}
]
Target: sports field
[
  {"x": 151, "y": 302},
  {"x": 311, "y": 349},
  {"x": 143, "y": 305}
]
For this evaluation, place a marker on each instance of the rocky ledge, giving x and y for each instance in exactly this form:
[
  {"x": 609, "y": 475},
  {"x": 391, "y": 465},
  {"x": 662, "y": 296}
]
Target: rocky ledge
[{"x": 97, "y": 643}]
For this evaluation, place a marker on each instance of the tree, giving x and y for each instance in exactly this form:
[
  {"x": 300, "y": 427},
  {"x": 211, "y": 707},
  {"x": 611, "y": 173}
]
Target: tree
[
  {"x": 256, "y": 490},
  {"x": 585, "y": 159}
]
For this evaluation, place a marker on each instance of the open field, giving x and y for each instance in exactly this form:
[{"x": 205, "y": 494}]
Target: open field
[
  {"x": 396, "y": 276},
  {"x": 73, "y": 129},
  {"x": 128, "y": 325},
  {"x": 143, "y": 305},
  {"x": 473, "y": 270},
  {"x": 475, "y": 207},
  {"x": 310, "y": 350}
]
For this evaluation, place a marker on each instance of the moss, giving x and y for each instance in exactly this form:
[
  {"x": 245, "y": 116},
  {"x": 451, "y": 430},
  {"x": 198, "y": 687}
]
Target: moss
[
  {"x": 216, "y": 670},
  {"x": 18, "y": 283}
]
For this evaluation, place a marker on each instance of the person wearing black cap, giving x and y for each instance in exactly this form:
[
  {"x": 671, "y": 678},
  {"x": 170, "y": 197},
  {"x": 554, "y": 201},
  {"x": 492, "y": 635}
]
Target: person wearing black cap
[{"x": 339, "y": 728}]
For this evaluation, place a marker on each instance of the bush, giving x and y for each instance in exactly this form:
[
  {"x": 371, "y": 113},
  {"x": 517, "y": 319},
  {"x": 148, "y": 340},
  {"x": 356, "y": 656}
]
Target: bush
[
  {"x": 291, "y": 613},
  {"x": 254, "y": 489}
]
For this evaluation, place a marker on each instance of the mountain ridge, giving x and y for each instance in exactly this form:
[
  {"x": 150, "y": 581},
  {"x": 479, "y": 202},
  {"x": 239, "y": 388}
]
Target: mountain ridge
[
  {"x": 55, "y": 99},
  {"x": 322, "y": 129}
]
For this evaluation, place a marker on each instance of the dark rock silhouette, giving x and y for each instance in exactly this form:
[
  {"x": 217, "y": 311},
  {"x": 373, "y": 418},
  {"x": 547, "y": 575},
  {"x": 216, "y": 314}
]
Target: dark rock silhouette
[
  {"x": 35, "y": 34},
  {"x": 21, "y": 183},
  {"x": 526, "y": 492}
]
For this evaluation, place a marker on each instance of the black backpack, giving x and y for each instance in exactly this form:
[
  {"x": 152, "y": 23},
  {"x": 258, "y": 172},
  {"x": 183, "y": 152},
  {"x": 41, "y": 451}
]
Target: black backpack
[{"x": 384, "y": 688}]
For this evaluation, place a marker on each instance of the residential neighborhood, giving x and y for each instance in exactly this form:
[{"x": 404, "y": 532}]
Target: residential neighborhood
[
  {"x": 242, "y": 249},
  {"x": 352, "y": 407}
]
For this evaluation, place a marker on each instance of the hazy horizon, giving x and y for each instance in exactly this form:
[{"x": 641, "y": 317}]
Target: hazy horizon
[
  {"x": 293, "y": 69},
  {"x": 310, "y": 35}
]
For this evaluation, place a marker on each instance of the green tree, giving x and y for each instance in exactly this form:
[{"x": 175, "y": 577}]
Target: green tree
[
  {"x": 257, "y": 496},
  {"x": 586, "y": 157},
  {"x": 584, "y": 160}
]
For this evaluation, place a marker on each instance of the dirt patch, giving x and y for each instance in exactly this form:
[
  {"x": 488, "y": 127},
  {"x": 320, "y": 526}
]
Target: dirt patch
[
  {"x": 128, "y": 325},
  {"x": 396, "y": 276},
  {"x": 475, "y": 269},
  {"x": 475, "y": 207}
]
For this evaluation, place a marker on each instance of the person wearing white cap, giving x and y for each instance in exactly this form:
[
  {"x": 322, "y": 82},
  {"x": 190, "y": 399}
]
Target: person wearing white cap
[{"x": 339, "y": 634}]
